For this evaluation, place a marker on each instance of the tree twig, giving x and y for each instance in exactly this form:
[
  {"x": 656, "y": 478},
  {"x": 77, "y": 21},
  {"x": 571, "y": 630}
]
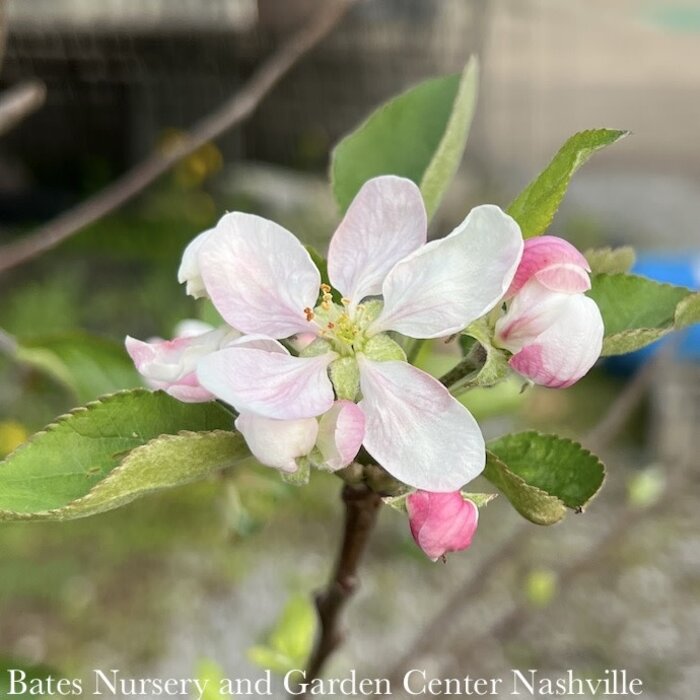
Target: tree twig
[
  {"x": 361, "y": 509},
  {"x": 19, "y": 102},
  {"x": 229, "y": 114}
]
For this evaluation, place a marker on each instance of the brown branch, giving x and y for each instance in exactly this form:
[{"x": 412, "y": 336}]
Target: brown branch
[
  {"x": 229, "y": 114},
  {"x": 361, "y": 509},
  {"x": 18, "y": 102}
]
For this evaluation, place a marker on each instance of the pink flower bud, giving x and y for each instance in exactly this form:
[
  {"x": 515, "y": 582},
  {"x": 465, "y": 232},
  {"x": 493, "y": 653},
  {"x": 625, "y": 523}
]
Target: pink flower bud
[
  {"x": 554, "y": 263},
  {"x": 555, "y": 337},
  {"x": 441, "y": 522},
  {"x": 171, "y": 365}
]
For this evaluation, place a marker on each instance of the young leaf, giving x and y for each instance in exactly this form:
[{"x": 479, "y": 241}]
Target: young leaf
[
  {"x": 542, "y": 475},
  {"x": 610, "y": 261},
  {"x": 536, "y": 206},
  {"x": 86, "y": 365},
  {"x": 289, "y": 644},
  {"x": 421, "y": 135},
  {"x": 637, "y": 311},
  {"x": 495, "y": 367},
  {"x": 112, "y": 451}
]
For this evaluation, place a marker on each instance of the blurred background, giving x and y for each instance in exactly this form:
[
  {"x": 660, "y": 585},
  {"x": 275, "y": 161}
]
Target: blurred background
[{"x": 202, "y": 573}]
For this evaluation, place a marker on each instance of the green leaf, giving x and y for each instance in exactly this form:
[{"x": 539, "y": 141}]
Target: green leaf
[
  {"x": 421, "y": 135},
  {"x": 610, "y": 261},
  {"x": 638, "y": 311},
  {"x": 210, "y": 675},
  {"x": 86, "y": 365},
  {"x": 289, "y": 644},
  {"x": 536, "y": 206},
  {"x": 112, "y": 451},
  {"x": 542, "y": 475},
  {"x": 445, "y": 161}
]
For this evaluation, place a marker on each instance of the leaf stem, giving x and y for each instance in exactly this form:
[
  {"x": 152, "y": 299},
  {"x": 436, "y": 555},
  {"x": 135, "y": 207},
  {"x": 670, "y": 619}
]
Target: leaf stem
[{"x": 361, "y": 509}]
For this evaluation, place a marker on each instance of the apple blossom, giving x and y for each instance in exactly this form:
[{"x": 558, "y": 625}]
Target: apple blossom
[
  {"x": 554, "y": 331},
  {"x": 263, "y": 281},
  {"x": 170, "y": 364},
  {"x": 441, "y": 522}
]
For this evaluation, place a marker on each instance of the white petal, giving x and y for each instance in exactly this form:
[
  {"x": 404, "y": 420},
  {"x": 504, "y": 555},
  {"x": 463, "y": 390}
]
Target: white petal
[
  {"x": 416, "y": 430},
  {"x": 384, "y": 223},
  {"x": 189, "y": 267},
  {"x": 278, "y": 443},
  {"x": 259, "y": 276},
  {"x": 271, "y": 384},
  {"x": 447, "y": 284},
  {"x": 564, "y": 352},
  {"x": 340, "y": 434},
  {"x": 190, "y": 327}
]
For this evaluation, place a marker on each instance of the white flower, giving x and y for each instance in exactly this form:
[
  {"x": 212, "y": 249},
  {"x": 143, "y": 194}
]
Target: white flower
[{"x": 263, "y": 281}]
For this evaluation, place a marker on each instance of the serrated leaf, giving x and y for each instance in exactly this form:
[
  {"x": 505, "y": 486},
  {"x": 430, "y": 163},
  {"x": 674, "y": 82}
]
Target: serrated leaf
[
  {"x": 112, "y": 451},
  {"x": 542, "y": 475},
  {"x": 638, "y": 311},
  {"x": 86, "y": 365},
  {"x": 610, "y": 261},
  {"x": 536, "y": 206},
  {"x": 420, "y": 134}
]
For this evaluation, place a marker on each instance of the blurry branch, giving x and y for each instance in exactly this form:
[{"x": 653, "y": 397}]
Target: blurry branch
[
  {"x": 19, "y": 102},
  {"x": 231, "y": 113},
  {"x": 597, "y": 439},
  {"x": 361, "y": 509}
]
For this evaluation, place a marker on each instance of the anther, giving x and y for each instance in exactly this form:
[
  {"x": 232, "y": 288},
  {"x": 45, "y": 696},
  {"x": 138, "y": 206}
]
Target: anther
[{"x": 308, "y": 312}]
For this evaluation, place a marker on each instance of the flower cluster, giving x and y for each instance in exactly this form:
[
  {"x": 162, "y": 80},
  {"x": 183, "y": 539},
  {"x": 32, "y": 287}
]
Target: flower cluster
[{"x": 317, "y": 369}]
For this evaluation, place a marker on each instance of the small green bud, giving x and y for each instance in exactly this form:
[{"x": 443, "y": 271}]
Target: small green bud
[
  {"x": 345, "y": 376},
  {"x": 382, "y": 348}
]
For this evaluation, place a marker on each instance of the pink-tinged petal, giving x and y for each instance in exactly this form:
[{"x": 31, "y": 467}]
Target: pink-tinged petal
[
  {"x": 384, "y": 223},
  {"x": 278, "y": 443},
  {"x": 170, "y": 364},
  {"x": 416, "y": 429},
  {"x": 189, "y": 271},
  {"x": 443, "y": 287},
  {"x": 531, "y": 312},
  {"x": 562, "y": 354},
  {"x": 556, "y": 263},
  {"x": 271, "y": 384},
  {"x": 441, "y": 522},
  {"x": 259, "y": 276},
  {"x": 340, "y": 435}
]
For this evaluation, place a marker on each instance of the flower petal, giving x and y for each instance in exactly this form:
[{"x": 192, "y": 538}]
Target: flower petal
[
  {"x": 259, "y": 276},
  {"x": 416, "y": 430},
  {"x": 271, "y": 384},
  {"x": 170, "y": 365},
  {"x": 443, "y": 287},
  {"x": 564, "y": 353},
  {"x": 384, "y": 223},
  {"x": 340, "y": 434},
  {"x": 189, "y": 272},
  {"x": 556, "y": 263},
  {"x": 441, "y": 522},
  {"x": 278, "y": 443}
]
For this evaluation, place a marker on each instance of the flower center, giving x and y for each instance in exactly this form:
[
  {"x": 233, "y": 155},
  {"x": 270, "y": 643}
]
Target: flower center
[{"x": 343, "y": 326}]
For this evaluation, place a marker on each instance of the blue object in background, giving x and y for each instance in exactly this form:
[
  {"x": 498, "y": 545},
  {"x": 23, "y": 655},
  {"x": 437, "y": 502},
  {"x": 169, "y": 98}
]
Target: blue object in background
[{"x": 682, "y": 268}]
